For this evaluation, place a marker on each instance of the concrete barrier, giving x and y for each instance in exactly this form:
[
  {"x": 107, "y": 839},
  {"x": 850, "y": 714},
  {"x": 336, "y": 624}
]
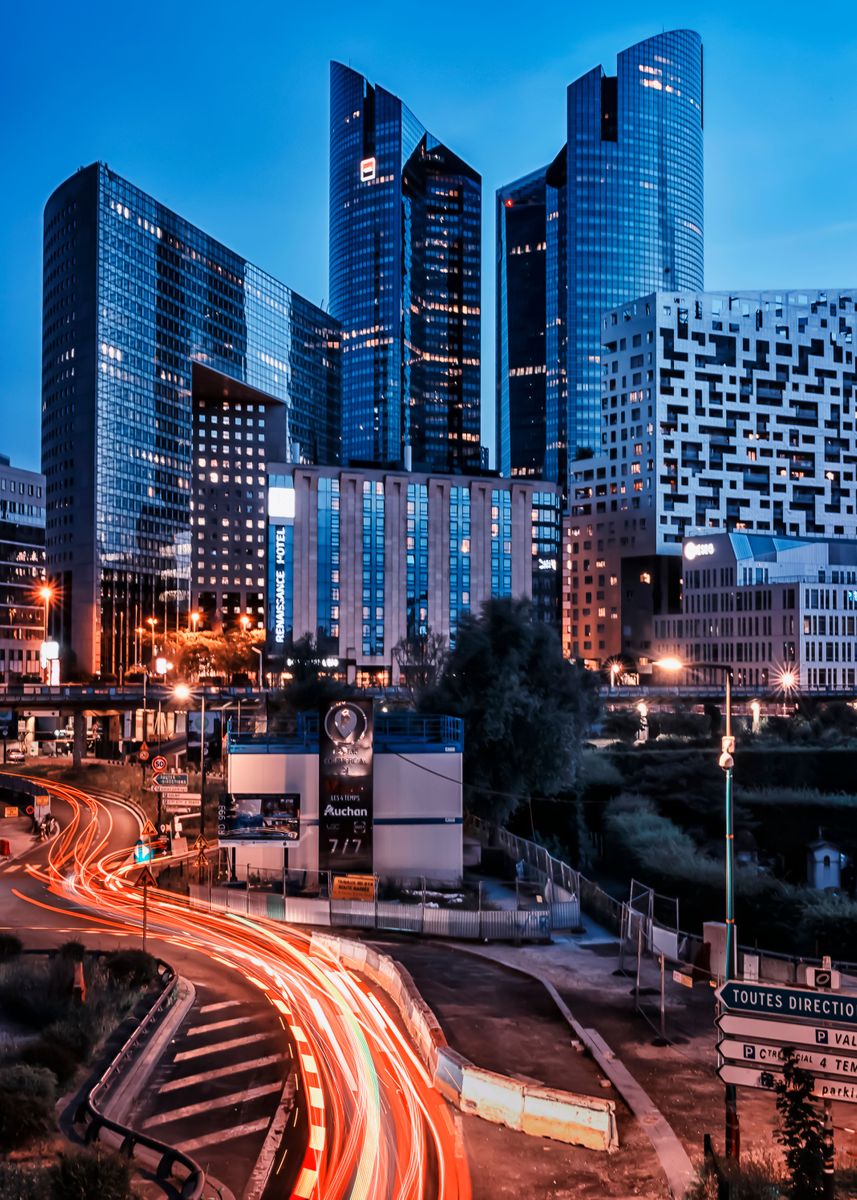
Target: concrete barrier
[{"x": 544, "y": 1112}]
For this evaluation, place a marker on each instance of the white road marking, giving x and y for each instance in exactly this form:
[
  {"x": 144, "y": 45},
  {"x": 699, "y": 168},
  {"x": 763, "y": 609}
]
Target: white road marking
[
  {"x": 224, "y": 1135},
  {"x": 197, "y": 1029},
  {"x": 204, "y": 1076},
  {"x": 234, "y": 1099},
  {"x": 207, "y": 1008},
  {"x": 183, "y": 1055}
]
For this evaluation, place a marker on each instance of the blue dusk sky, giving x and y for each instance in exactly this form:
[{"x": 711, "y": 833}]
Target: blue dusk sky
[{"x": 221, "y": 112}]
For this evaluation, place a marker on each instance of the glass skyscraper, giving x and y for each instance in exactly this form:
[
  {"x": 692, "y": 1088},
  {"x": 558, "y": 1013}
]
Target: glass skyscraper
[
  {"x": 146, "y": 319},
  {"x": 624, "y": 216},
  {"x": 405, "y": 283}
]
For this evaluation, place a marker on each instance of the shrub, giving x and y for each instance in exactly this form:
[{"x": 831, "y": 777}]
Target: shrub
[
  {"x": 29, "y": 1081},
  {"x": 131, "y": 968},
  {"x": 86, "y": 1174},
  {"x": 10, "y": 947},
  {"x": 78, "y": 1032},
  {"x": 23, "y": 1117},
  {"x": 75, "y": 951},
  {"x": 19, "y": 1183},
  {"x": 53, "y": 1056}
]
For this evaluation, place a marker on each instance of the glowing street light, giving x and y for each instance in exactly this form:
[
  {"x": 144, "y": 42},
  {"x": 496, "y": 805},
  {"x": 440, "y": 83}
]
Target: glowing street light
[
  {"x": 245, "y": 621},
  {"x": 194, "y": 619},
  {"x": 184, "y": 693}
]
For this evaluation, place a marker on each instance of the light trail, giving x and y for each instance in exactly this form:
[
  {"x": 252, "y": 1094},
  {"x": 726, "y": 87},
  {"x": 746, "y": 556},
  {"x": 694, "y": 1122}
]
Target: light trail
[{"x": 376, "y": 1129}]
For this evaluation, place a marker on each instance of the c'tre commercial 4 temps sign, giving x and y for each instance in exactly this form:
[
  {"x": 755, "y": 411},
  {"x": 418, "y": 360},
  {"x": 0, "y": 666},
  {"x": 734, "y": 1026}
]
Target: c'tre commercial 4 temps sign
[{"x": 345, "y": 765}]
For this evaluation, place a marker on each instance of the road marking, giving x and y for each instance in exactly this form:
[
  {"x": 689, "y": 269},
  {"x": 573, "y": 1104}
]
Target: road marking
[
  {"x": 15, "y": 867},
  {"x": 204, "y": 1076},
  {"x": 207, "y": 1008},
  {"x": 224, "y": 1135},
  {"x": 198, "y": 1029},
  {"x": 183, "y": 1055},
  {"x": 233, "y": 1099}
]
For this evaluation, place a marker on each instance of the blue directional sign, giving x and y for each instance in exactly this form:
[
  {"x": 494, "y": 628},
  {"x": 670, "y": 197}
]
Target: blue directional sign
[
  {"x": 789, "y": 1003},
  {"x": 143, "y": 852}
]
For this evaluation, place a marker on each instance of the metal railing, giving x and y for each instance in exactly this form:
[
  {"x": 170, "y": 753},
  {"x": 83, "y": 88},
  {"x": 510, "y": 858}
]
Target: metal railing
[
  {"x": 537, "y": 858},
  {"x": 90, "y": 1108}
]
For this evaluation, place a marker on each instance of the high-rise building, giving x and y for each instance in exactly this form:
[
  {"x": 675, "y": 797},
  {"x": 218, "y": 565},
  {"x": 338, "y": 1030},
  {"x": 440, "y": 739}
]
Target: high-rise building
[
  {"x": 624, "y": 216},
  {"x": 720, "y": 413},
  {"x": 361, "y": 558},
  {"x": 405, "y": 283},
  {"x": 145, "y": 319},
  {"x": 24, "y": 615},
  {"x": 521, "y": 319}
]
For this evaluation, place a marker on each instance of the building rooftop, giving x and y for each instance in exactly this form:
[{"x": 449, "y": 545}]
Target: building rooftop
[{"x": 396, "y": 732}]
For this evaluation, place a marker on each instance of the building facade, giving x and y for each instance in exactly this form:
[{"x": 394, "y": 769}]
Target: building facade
[
  {"x": 719, "y": 413},
  {"x": 624, "y": 215},
  {"x": 361, "y": 559},
  {"x": 781, "y": 611},
  {"x": 140, "y": 310},
  {"x": 25, "y": 620},
  {"x": 405, "y": 283}
]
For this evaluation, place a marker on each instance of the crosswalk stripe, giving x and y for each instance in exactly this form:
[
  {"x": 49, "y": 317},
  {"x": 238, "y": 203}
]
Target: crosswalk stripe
[
  {"x": 227, "y": 1024},
  {"x": 224, "y": 1135},
  {"x": 234, "y": 1099},
  {"x": 183, "y": 1055},
  {"x": 204, "y": 1076},
  {"x": 207, "y": 1008},
  {"x": 14, "y": 867}
]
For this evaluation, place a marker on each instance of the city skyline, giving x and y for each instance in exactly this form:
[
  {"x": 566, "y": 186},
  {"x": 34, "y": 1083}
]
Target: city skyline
[{"x": 768, "y": 222}]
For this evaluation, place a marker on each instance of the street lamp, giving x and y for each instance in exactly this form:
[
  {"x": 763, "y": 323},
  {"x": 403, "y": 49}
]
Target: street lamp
[
  {"x": 183, "y": 693},
  {"x": 46, "y": 595},
  {"x": 152, "y": 622},
  {"x": 245, "y": 621},
  {"x": 258, "y": 650},
  {"x": 727, "y": 763},
  {"x": 615, "y": 672},
  {"x": 194, "y": 619}
]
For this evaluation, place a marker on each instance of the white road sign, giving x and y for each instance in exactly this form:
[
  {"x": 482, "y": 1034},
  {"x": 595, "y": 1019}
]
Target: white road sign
[
  {"x": 756, "y": 1077},
  {"x": 789, "y": 1032},
  {"x": 824, "y": 1062}
]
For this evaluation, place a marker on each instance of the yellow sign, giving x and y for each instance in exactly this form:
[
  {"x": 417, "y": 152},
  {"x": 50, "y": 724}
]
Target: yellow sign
[
  {"x": 149, "y": 831},
  {"x": 354, "y": 887},
  {"x": 145, "y": 878},
  {"x": 10, "y": 812}
]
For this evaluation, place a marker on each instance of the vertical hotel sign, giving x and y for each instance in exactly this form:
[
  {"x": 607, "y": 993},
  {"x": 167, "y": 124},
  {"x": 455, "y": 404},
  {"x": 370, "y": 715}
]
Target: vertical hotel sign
[
  {"x": 281, "y": 518},
  {"x": 345, "y": 752}
]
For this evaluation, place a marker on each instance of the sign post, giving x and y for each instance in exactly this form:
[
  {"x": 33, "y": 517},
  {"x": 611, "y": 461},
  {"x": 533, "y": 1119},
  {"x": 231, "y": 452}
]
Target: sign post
[{"x": 145, "y": 880}]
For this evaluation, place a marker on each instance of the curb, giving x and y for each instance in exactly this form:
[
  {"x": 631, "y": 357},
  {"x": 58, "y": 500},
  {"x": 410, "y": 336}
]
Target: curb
[
  {"x": 674, "y": 1159},
  {"x": 258, "y": 1180}
]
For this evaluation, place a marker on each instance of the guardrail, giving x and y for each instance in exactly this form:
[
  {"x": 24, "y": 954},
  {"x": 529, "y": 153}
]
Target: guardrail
[{"x": 90, "y": 1108}]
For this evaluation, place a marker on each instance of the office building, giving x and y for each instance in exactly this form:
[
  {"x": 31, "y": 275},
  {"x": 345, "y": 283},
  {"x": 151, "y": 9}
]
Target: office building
[
  {"x": 147, "y": 319},
  {"x": 405, "y": 283},
  {"x": 23, "y": 613},
  {"x": 521, "y": 437},
  {"x": 623, "y": 216},
  {"x": 729, "y": 413},
  {"x": 361, "y": 559},
  {"x": 781, "y": 611}
]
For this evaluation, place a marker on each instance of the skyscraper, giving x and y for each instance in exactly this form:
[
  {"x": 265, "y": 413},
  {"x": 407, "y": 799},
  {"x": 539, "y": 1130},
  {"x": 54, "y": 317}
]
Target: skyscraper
[
  {"x": 405, "y": 280},
  {"x": 624, "y": 216},
  {"x": 147, "y": 320}
]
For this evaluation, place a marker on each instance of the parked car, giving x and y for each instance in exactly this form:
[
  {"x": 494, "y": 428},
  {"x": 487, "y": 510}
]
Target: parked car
[{"x": 14, "y": 754}]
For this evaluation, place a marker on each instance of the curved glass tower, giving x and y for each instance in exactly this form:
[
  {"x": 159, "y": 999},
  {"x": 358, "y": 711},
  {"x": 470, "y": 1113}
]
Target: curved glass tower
[
  {"x": 405, "y": 281},
  {"x": 624, "y": 217}
]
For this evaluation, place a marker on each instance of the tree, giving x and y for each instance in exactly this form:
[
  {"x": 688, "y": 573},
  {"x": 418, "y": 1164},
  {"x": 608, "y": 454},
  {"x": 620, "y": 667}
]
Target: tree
[
  {"x": 196, "y": 654},
  {"x": 311, "y": 685},
  {"x": 800, "y": 1130},
  {"x": 421, "y": 660},
  {"x": 525, "y": 708}
]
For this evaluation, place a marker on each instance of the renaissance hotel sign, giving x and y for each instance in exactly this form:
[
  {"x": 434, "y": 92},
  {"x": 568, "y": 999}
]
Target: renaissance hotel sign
[{"x": 345, "y": 766}]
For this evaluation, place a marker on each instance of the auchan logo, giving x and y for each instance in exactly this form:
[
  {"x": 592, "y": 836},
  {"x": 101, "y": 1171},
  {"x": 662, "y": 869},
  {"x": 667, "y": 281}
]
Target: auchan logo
[{"x": 698, "y": 550}]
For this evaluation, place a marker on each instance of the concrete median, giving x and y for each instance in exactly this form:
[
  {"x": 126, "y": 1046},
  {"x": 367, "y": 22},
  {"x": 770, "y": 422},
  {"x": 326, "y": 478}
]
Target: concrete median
[{"x": 580, "y": 1120}]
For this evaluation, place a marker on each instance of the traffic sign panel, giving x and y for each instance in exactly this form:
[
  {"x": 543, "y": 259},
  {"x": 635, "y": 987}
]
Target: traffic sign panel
[
  {"x": 200, "y": 843},
  {"x": 791, "y": 1033},
  {"x": 146, "y": 878},
  {"x": 143, "y": 753},
  {"x": 756, "y": 1077},
  {"x": 149, "y": 831},
  {"x": 797, "y": 1003},
  {"x": 171, "y": 783},
  {"x": 824, "y": 1062},
  {"x": 159, "y": 763}
]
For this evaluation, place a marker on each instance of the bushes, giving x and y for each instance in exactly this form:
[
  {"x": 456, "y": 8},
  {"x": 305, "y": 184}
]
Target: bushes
[
  {"x": 19, "y": 1183},
  {"x": 27, "y": 1098},
  {"x": 10, "y": 947},
  {"x": 131, "y": 968},
  {"x": 53, "y": 1056},
  {"x": 87, "y": 1174}
]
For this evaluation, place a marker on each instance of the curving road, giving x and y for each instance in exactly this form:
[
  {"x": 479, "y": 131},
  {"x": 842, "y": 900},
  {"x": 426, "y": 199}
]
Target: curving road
[{"x": 375, "y": 1127}]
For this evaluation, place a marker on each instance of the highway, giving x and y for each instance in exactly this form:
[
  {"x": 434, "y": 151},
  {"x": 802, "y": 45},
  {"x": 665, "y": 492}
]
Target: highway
[{"x": 371, "y": 1125}]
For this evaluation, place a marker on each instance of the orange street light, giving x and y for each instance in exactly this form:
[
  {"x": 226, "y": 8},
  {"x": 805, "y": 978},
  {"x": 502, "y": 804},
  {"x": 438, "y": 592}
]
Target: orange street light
[
  {"x": 194, "y": 619},
  {"x": 245, "y": 621},
  {"x": 670, "y": 663}
]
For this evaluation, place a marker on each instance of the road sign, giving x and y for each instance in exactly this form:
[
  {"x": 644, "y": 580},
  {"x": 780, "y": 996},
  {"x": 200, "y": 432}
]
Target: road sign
[
  {"x": 159, "y": 763},
  {"x": 149, "y": 831},
  {"x": 788, "y": 1032},
  {"x": 171, "y": 783},
  {"x": 798, "y": 1003},
  {"x": 684, "y": 980},
  {"x": 181, "y": 802},
  {"x": 754, "y": 1077},
  {"x": 200, "y": 844},
  {"x": 143, "y": 753},
  {"x": 822, "y": 1062},
  {"x": 146, "y": 878},
  {"x": 142, "y": 851}
]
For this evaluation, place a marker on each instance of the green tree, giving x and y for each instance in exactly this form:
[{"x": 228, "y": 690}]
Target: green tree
[
  {"x": 800, "y": 1130},
  {"x": 311, "y": 686},
  {"x": 526, "y": 709},
  {"x": 421, "y": 660}
]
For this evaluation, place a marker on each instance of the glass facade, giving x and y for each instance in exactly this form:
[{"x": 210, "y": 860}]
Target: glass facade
[
  {"x": 135, "y": 298},
  {"x": 405, "y": 283},
  {"x": 327, "y": 543},
  {"x": 624, "y": 218},
  {"x": 22, "y": 566},
  {"x": 373, "y": 567},
  {"x": 459, "y": 557},
  {"x": 417, "y": 560},
  {"x": 521, "y": 326}
]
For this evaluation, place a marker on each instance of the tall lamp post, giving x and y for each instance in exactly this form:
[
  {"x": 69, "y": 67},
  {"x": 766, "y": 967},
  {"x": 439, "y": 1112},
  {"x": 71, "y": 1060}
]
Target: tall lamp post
[
  {"x": 727, "y": 763},
  {"x": 258, "y": 650},
  {"x": 46, "y": 594}
]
